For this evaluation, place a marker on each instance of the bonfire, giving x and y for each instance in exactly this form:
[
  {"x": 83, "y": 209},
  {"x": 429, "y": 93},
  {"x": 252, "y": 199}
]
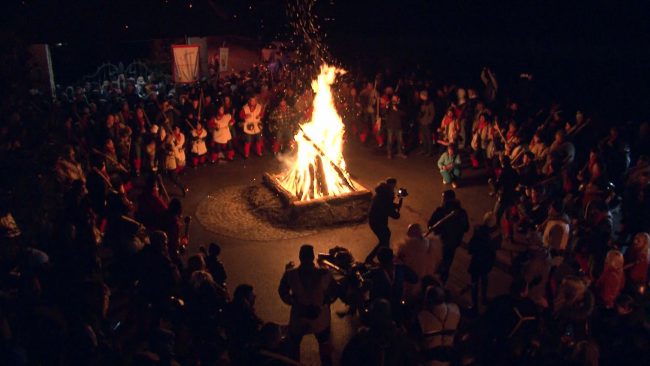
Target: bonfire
[{"x": 318, "y": 168}]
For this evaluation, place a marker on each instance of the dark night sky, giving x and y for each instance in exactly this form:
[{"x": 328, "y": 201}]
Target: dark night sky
[{"x": 589, "y": 45}]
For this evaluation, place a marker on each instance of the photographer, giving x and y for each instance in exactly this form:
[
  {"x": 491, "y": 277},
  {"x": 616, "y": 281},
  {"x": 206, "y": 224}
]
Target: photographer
[
  {"x": 309, "y": 291},
  {"x": 450, "y": 222},
  {"x": 382, "y": 207}
]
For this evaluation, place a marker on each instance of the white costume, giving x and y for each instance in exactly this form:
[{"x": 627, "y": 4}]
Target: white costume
[
  {"x": 420, "y": 256},
  {"x": 178, "y": 145},
  {"x": 198, "y": 142},
  {"x": 252, "y": 119},
  {"x": 221, "y": 133}
]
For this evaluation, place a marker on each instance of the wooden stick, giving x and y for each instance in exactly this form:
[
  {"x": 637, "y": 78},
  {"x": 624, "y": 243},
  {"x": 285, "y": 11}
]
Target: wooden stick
[
  {"x": 577, "y": 128},
  {"x": 519, "y": 155},
  {"x": 440, "y": 222},
  {"x": 320, "y": 152},
  {"x": 146, "y": 118},
  {"x": 190, "y": 124},
  {"x": 106, "y": 156},
  {"x": 498, "y": 128},
  {"x": 200, "y": 106},
  {"x": 163, "y": 188}
]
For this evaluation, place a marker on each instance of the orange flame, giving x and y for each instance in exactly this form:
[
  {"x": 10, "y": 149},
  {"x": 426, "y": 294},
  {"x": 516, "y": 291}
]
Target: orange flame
[{"x": 318, "y": 168}]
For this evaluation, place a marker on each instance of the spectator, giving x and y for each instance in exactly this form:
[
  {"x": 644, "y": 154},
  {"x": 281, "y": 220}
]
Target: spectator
[
  {"x": 449, "y": 165},
  {"x": 419, "y": 254},
  {"x": 309, "y": 291},
  {"x": 381, "y": 343},
  {"x": 425, "y": 119},
  {"x": 438, "y": 322},
  {"x": 450, "y": 222},
  {"x": 637, "y": 259},
  {"x": 512, "y": 323},
  {"x": 388, "y": 282},
  {"x": 214, "y": 264},
  {"x": 242, "y": 324},
  {"x": 611, "y": 281},
  {"x": 395, "y": 117},
  {"x": 482, "y": 247},
  {"x": 556, "y": 229}
]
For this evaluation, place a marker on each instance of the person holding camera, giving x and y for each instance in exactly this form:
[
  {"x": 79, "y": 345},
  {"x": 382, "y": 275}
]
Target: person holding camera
[
  {"x": 450, "y": 222},
  {"x": 309, "y": 291},
  {"x": 382, "y": 207}
]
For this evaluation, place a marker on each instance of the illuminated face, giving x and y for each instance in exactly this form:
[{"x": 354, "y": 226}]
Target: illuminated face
[
  {"x": 579, "y": 117},
  {"x": 640, "y": 240},
  {"x": 110, "y": 120},
  {"x": 139, "y": 112},
  {"x": 283, "y": 104},
  {"x": 221, "y": 111},
  {"x": 252, "y": 102}
]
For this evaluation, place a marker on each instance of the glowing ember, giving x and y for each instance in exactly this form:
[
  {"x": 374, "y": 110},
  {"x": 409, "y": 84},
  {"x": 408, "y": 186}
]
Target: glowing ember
[{"x": 318, "y": 169}]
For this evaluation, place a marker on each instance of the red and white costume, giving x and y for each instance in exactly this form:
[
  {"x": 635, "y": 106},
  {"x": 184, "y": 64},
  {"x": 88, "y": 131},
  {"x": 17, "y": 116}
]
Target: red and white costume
[{"x": 221, "y": 137}]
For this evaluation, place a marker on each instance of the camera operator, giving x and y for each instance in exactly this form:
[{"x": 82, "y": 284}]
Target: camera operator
[
  {"x": 309, "y": 291},
  {"x": 450, "y": 222},
  {"x": 382, "y": 207}
]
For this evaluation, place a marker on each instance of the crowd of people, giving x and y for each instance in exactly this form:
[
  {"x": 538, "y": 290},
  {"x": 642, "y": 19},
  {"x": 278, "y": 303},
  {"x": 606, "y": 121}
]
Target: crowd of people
[{"x": 92, "y": 249}]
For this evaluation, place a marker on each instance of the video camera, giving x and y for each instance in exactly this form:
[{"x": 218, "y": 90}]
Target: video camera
[{"x": 402, "y": 192}]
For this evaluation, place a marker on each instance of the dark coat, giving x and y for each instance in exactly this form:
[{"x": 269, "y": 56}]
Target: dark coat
[
  {"x": 381, "y": 208},
  {"x": 395, "y": 118},
  {"x": 452, "y": 230},
  {"x": 482, "y": 248}
]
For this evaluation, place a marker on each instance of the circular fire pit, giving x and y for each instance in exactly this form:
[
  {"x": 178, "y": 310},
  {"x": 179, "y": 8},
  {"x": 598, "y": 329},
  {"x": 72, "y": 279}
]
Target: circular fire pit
[
  {"x": 228, "y": 212},
  {"x": 259, "y": 212}
]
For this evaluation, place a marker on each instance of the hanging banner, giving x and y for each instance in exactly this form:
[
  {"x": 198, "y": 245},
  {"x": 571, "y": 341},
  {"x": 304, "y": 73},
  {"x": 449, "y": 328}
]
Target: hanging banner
[
  {"x": 223, "y": 59},
  {"x": 185, "y": 68}
]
